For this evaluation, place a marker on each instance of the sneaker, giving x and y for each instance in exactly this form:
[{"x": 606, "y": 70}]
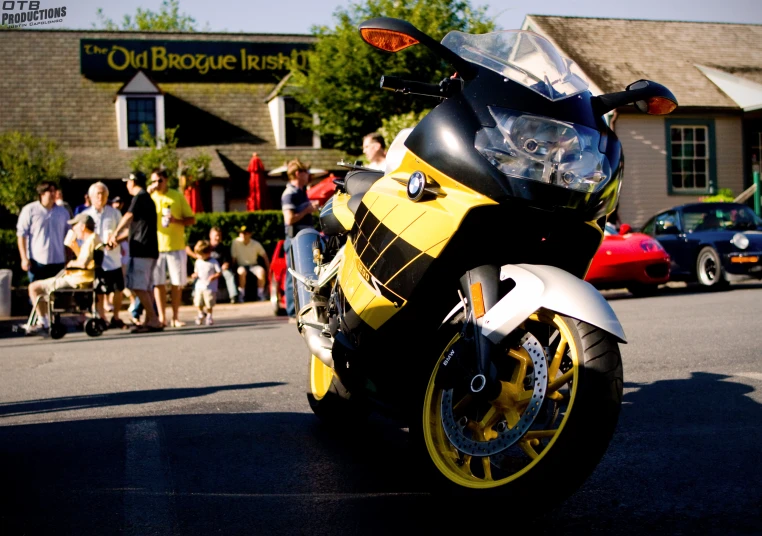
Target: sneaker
[
  {"x": 209, "y": 320},
  {"x": 116, "y": 323},
  {"x": 200, "y": 319},
  {"x": 241, "y": 296},
  {"x": 261, "y": 294},
  {"x": 292, "y": 320}
]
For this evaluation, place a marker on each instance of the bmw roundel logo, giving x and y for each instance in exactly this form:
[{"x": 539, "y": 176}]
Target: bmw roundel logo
[{"x": 416, "y": 185}]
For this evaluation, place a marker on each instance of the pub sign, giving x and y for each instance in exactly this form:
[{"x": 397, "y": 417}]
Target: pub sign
[{"x": 116, "y": 60}]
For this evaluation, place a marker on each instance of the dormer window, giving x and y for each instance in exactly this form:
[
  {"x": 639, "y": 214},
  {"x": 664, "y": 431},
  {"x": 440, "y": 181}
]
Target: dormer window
[
  {"x": 289, "y": 132},
  {"x": 139, "y": 102},
  {"x": 140, "y": 111}
]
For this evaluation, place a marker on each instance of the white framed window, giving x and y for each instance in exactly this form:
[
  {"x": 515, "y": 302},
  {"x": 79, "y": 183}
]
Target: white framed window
[
  {"x": 138, "y": 102},
  {"x": 289, "y": 132}
]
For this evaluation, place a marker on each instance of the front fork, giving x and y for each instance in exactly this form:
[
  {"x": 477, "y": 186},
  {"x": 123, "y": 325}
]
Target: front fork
[{"x": 481, "y": 289}]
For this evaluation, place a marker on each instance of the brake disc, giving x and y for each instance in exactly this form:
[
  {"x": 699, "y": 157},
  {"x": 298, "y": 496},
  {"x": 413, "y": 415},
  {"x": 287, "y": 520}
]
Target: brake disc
[{"x": 456, "y": 430}]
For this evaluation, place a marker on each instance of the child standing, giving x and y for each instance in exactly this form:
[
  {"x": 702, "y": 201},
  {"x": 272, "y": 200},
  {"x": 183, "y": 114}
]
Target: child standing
[{"x": 206, "y": 273}]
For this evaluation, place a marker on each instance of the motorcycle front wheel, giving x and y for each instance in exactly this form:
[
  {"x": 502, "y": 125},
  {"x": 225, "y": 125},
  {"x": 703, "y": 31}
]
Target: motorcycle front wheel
[{"x": 534, "y": 445}]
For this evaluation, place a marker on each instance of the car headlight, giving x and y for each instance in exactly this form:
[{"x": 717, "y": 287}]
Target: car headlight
[
  {"x": 740, "y": 240},
  {"x": 541, "y": 149},
  {"x": 650, "y": 245}
]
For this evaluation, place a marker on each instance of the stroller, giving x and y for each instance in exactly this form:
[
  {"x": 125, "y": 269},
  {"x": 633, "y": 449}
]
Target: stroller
[{"x": 70, "y": 300}]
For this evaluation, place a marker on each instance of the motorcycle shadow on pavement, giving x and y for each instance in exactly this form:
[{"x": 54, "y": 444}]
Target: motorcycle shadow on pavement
[{"x": 683, "y": 461}]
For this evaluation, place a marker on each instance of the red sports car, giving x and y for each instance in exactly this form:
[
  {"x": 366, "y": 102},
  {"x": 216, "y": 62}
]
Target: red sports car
[
  {"x": 278, "y": 279},
  {"x": 632, "y": 260}
]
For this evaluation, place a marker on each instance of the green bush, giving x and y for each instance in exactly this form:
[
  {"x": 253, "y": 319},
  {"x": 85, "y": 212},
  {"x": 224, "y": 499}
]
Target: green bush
[
  {"x": 724, "y": 195},
  {"x": 266, "y": 227}
]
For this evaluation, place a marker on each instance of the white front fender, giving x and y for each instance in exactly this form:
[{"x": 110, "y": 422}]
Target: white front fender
[{"x": 551, "y": 288}]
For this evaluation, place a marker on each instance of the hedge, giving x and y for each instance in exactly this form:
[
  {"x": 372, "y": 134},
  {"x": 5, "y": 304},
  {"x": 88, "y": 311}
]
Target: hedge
[{"x": 266, "y": 225}]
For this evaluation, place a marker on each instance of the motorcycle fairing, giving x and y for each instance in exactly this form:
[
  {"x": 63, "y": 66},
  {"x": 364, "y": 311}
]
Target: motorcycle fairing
[{"x": 394, "y": 241}]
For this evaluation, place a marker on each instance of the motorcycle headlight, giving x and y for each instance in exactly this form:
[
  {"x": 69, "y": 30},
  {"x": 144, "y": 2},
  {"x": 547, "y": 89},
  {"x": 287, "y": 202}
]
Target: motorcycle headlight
[
  {"x": 740, "y": 240},
  {"x": 541, "y": 149}
]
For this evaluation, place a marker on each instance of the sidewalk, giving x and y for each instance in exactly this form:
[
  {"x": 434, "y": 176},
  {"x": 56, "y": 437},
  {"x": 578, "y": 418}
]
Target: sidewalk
[{"x": 224, "y": 311}]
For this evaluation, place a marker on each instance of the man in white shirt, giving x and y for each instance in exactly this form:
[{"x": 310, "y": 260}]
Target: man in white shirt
[
  {"x": 374, "y": 149},
  {"x": 246, "y": 254},
  {"x": 110, "y": 276}
]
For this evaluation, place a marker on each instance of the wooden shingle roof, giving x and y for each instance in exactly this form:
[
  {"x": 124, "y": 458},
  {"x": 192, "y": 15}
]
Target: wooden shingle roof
[{"x": 616, "y": 52}]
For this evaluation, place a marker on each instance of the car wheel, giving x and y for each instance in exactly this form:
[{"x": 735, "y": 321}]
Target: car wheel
[
  {"x": 275, "y": 299},
  {"x": 709, "y": 272}
]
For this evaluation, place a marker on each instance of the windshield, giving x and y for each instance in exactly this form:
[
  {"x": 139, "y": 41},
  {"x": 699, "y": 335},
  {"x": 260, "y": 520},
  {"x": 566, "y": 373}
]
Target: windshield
[
  {"x": 719, "y": 218},
  {"x": 522, "y": 56}
]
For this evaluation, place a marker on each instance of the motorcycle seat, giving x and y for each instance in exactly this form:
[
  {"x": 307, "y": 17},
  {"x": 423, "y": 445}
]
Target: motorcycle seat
[{"x": 357, "y": 183}]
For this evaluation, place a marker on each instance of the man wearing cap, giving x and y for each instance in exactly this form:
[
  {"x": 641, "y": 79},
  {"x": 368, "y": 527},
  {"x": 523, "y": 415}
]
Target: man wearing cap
[
  {"x": 82, "y": 268},
  {"x": 297, "y": 215},
  {"x": 140, "y": 218},
  {"x": 40, "y": 229},
  {"x": 246, "y": 254},
  {"x": 110, "y": 278},
  {"x": 173, "y": 215}
]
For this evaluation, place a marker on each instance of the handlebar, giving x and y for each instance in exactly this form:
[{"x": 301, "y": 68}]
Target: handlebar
[{"x": 393, "y": 83}]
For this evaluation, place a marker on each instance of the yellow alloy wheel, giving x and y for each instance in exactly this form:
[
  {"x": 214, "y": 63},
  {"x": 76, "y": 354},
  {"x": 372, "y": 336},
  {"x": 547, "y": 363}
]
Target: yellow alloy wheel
[
  {"x": 485, "y": 421},
  {"x": 321, "y": 377}
]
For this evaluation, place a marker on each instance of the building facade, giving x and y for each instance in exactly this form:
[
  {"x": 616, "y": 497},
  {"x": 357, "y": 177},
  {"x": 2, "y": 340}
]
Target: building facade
[
  {"x": 91, "y": 91},
  {"x": 711, "y": 141}
]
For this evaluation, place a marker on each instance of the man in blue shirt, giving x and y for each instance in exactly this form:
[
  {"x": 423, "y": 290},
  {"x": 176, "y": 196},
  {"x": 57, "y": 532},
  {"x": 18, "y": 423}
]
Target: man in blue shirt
[
  {"x": 297, "y": 215},
  {"x": 41, "y": 228}
]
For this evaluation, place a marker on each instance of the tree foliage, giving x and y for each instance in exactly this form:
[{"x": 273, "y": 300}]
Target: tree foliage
[
  {"x": 167, "y": 19},
  {"x": 342, "y": 83},
  {"x": 724, "y": 195},
  {"x": 157, "y": 153},
  {"x": 25, "y": 161},
  {"x": 161, "y": 153}
]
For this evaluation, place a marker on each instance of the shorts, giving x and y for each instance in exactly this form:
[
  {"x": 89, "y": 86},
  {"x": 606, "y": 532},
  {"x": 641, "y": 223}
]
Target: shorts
[
  {"x": 109, "y": 281},
  {"x": 174, "y": 262},
  {"x": 205, "y": 297},
  {"x": 257, "y": 270},
  {"x": 52, "y": 284},
  {"x": 39, "y": 271},
  {"x": 140, "y": 273}
]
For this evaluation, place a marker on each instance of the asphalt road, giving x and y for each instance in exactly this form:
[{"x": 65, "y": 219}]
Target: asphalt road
[{"x": 208, "y": 431}]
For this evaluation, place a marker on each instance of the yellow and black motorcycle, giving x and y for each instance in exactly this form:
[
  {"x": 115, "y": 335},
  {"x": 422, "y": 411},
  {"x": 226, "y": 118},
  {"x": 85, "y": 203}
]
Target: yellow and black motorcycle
[{"x": 448, "y": 290}]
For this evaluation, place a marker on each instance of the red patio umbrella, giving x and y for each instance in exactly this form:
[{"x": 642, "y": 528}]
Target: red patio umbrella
[
  {"x": 193, "y": 196},
  {"x": 258, "y": 198}
]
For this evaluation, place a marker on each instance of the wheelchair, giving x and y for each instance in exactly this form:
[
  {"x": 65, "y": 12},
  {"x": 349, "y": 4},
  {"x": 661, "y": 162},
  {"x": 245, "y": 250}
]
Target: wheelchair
[{"x": 71, "y": 300}]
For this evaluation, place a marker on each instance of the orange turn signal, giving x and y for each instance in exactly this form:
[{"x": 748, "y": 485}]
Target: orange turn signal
[
  {"x": 478, "y": 300},
  {"x": 387, "y": 39},
  {"x": 660, "y": 106},
  {"x": 743, "y": 260}
]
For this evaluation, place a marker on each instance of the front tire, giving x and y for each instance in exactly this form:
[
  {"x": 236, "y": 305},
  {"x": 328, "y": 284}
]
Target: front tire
[
  {"x": 569, "y": 433},
  {"x": 709, "y": 272}
]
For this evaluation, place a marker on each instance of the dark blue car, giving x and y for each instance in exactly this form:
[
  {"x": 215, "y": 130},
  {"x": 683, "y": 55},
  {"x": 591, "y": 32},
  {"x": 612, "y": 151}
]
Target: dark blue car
[{"x": 710, "y": 243}]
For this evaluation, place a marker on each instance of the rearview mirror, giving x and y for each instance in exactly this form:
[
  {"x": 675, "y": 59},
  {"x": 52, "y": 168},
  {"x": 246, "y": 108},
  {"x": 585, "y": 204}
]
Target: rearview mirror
[
  {"x": 393, "y": 35},
  {"x": 647, "y": 96}
]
